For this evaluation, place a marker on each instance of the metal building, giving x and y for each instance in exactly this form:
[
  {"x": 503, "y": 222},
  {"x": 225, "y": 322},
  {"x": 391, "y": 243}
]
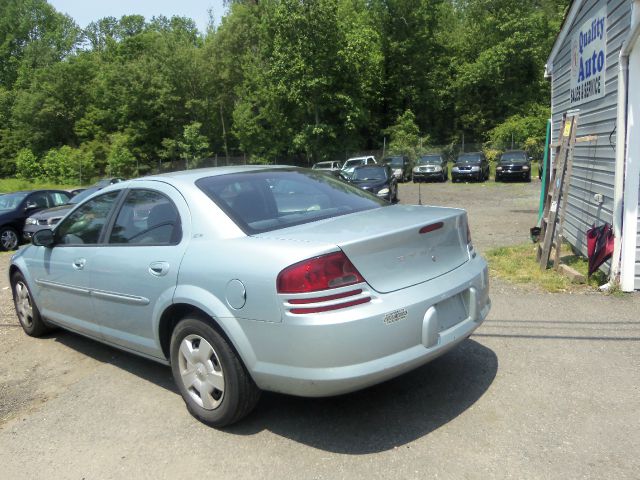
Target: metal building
[{"x": 594, "y": 68}]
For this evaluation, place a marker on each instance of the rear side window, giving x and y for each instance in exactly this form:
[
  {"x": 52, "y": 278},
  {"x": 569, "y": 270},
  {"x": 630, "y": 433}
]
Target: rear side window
[
  {"x": 146, "y": 218},
  {"x": 262, "y": 201},
  {"x": 58, "y": 198}
]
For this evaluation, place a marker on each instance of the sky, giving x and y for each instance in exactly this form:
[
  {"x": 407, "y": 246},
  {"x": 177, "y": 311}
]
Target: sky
[{"x": 85, "y": 12}]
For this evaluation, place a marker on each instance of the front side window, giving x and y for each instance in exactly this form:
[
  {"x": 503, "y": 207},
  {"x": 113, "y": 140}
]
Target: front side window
[
  {"x": 38, "y": 200},
  {"x": 146, "y": 218},
  {"x": 84, "y": 226}
]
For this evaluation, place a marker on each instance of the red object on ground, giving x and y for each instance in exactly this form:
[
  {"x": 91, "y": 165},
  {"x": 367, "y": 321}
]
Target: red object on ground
[{"x": 599, "y": 245}]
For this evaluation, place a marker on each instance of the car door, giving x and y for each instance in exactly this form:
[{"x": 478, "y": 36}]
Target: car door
[
  {"x": 62, "y": 272},
  {"x": 136, "y": 272}
]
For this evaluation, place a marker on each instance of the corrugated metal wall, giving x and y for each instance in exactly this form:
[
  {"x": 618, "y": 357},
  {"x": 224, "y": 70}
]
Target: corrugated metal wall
[{"x": 593, "y": 162}]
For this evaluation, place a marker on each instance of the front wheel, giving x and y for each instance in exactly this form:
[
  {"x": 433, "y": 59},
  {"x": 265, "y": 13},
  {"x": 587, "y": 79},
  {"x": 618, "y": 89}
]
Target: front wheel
[
  {"x": 28, "y": 313},
  {"x": 8, "y": 238},
  {"x": 211, "y": 378}
]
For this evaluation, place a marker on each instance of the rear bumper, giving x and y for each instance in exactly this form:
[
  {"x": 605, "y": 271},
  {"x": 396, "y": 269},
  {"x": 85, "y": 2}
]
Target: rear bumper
[{"x": 339, "y": 352}]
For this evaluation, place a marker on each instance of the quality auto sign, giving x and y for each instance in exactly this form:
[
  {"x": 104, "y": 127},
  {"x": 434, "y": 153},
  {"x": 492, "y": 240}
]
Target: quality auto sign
[{"x": 589, "y": 59}]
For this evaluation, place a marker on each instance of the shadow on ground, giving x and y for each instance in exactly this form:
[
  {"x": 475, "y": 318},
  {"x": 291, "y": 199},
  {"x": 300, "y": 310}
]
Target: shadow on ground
[{"x": 379, "y": 418}]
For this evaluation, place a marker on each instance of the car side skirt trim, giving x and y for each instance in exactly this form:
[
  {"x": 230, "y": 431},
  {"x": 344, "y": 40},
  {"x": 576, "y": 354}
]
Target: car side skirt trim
[{"x": 113, "y": 296}]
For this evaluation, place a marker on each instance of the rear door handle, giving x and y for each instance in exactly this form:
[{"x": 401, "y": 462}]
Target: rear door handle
[
  {"x": 159, "y": 269},
  {"x": 79, "y": 263}
]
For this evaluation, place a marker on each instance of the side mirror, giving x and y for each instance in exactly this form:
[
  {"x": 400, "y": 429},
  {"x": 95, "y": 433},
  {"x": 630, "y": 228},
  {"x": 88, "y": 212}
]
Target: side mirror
[
  {"x": 31, "y": 206},
  {"x": 43, "y": 238}
]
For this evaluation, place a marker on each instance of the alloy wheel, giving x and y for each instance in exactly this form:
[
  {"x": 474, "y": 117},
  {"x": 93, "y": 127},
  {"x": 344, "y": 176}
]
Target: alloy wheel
[
  {"x": 23, "y": 304},
  {"x": 8, "y": 240}
]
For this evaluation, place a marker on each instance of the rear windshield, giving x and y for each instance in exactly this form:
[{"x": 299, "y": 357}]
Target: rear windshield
[
  {"x": 430, "y": 159},
  {"x": 266, "y": 200},
  {"x": 469, "y": 158},
  {"x": 369, "y": 173},
  {"x": 515, "y": 157}
]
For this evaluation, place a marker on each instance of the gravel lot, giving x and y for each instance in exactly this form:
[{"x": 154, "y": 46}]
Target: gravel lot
[{"x": 548, "y": 387}]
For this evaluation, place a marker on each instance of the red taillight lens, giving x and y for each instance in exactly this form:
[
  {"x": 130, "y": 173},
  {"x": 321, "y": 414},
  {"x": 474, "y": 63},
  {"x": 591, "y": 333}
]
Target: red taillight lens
[{"x": 321, "y": 273}]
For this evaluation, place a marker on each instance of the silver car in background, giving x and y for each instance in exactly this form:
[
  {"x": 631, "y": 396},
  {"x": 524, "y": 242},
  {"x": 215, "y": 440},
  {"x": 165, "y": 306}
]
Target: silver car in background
[{"x": 252, "y": 278}]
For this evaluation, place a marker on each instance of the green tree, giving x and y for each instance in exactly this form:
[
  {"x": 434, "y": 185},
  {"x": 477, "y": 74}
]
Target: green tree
[
  {"x": 27, "y": 165},
  {"x": 193, "y": 146},
  {"x": 120, "y": 161},
  {"x": 404, "y": 136}
]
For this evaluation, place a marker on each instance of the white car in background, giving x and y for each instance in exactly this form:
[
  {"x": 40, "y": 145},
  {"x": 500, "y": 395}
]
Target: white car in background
[{"x": 349, "y": 166}]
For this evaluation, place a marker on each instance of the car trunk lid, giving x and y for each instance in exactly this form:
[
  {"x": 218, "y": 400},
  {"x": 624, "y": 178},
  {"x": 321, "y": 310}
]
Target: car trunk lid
[{"x": 392, "y": 247}]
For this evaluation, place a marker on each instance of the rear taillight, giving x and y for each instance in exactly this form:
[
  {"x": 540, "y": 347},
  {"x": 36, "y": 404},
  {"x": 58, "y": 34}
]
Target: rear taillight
[
  {"x": 320, "y": 273},
  {"x": 469, "y": 242}
]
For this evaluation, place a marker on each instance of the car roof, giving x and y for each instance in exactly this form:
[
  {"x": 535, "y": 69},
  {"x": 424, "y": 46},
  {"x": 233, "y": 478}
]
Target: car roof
[{"x": 514, "y": 151}]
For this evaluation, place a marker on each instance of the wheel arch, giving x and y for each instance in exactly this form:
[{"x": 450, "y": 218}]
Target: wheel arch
[{"x": 226, "y": 326}]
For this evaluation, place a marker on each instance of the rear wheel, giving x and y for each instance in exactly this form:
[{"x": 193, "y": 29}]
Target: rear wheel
[
  {"x": 211, "y": 378},
  {"x": 26, "y": 309}
]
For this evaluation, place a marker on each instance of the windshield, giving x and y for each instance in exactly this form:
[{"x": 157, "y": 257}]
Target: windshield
[
  {"x": 369, "y": 174},
  {"x": 430, "y": 159},
  {"x": 11, "y": 201},
  {"x": 469, "y": 159},
  {"x": 514, "y": 157},
  {"x": 261, "y": 201},
  {"x": 353, "y": 163},
  {"x": 322, "y": 165},
  {"x": 83, "y": 194},
  {"x": 394, "y": 161}
]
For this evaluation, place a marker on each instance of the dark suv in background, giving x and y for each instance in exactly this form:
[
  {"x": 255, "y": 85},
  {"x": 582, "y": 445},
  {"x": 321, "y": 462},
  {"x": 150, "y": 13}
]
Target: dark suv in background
[
  {"x": 470, "y": 166},
  {"x": 400, "y": 166},
  {"x": 514, "y": 164},
  {"x": 17, "y": 206},
  {"x": 431, "y": 167}
]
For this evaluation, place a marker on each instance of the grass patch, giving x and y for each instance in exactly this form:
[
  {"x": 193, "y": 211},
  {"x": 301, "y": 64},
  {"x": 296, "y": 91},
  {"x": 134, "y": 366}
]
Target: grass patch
[
  {"x": 15, "y": 184},
  {"x": 517, "y": 264}
]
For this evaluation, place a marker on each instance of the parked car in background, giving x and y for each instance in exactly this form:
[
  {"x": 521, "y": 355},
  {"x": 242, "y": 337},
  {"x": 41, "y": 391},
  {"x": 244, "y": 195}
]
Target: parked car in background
[
  {"x": 330, "y": 166},
  {"x": 470, "y": 166},
  {"x": 49, "y": 217},
  {"x": 17, "y": 206},
  {"x": 318, "y": 291},
  {"x": 400, "y": 166},
  {"x": 377, "y": 179},
  {"x": 431, "y": 167},
  {"x": 351, "y": 163},
  {"x": 514, "y": 164}
]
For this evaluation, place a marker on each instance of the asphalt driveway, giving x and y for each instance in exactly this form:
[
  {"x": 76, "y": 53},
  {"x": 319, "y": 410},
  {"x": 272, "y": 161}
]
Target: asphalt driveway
[{"x": 548, "y": 387}]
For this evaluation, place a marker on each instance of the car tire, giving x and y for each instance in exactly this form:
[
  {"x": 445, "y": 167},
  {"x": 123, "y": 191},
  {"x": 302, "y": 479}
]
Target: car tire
[
  {"x": 528, "y": 179},
  {"x": 229, "y": 392},
  {"x": 26, "y": 309},
  {"x": 9, "y": 239}
]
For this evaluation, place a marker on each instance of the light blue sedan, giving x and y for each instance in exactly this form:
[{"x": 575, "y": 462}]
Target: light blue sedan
[{"x": 256, "y": 278}]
